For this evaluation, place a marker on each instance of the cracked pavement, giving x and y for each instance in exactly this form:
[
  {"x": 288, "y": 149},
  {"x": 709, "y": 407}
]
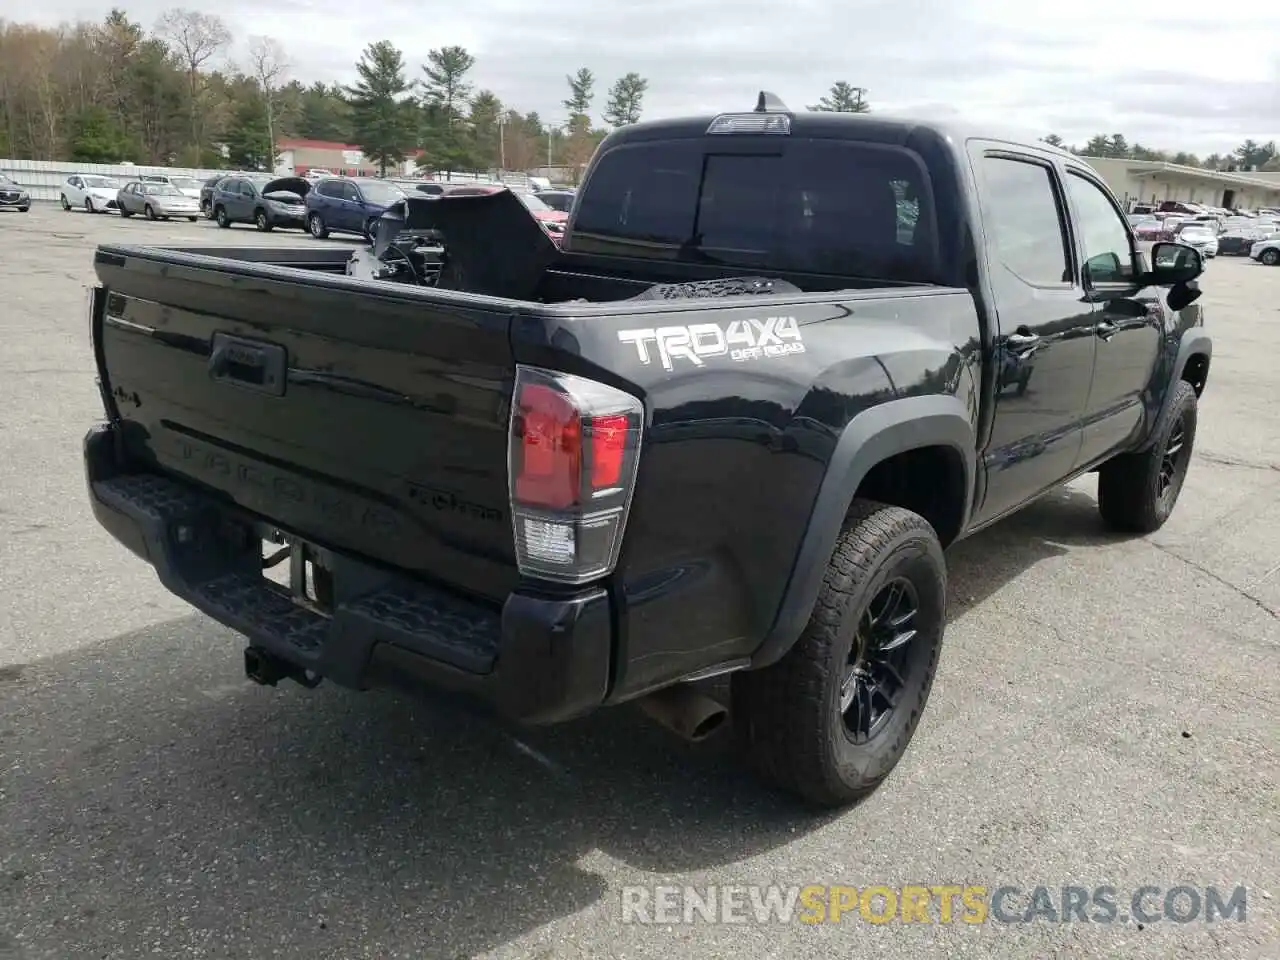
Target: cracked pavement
[{"x": 1107, "y": 711}]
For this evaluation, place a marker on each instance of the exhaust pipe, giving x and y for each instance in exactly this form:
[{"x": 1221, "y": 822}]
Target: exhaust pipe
[{"x": 684, "y": 711}]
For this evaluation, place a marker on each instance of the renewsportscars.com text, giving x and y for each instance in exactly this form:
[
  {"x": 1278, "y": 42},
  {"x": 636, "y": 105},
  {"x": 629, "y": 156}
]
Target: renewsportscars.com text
[{"x": 936, "y": 903}]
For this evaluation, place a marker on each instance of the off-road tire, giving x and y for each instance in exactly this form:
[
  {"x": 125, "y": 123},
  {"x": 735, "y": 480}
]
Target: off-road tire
[
  {"x": 787, "y": 716},
  {"x": 1129, "y": 486}
]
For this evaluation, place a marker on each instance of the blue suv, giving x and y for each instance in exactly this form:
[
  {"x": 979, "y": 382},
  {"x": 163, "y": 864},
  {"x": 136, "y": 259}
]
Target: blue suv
[{"x": 349, "y": 205}]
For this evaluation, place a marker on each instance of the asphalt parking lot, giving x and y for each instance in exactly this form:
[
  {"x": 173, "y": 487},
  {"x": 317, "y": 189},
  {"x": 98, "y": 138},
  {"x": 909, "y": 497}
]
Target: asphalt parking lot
[{"x": 1107, "y": 713}]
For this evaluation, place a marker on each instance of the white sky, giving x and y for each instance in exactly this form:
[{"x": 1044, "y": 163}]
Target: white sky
[{"x": 1177, "y": 74}]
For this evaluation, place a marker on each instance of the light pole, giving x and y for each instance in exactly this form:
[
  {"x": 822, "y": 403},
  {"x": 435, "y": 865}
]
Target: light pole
[
  {"x": 502, "y": 142},
  {"x": 552, "y": 127}
]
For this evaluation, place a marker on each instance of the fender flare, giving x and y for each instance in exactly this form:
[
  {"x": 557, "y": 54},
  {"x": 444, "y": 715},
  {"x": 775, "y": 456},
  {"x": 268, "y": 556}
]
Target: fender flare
[
  {"x": 870, "y": 437},
  {"x": 1193, "y": 341}
]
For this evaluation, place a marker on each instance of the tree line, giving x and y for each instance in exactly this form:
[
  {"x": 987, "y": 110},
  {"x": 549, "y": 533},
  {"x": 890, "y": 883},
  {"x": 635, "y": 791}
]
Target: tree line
[
  {"x": 117, "y": 91},
  {"x": 1249, "y": 155}
]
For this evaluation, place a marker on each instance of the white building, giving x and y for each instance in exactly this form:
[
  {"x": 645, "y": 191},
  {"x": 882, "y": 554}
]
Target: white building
[{"x": 1153, "y": 181}]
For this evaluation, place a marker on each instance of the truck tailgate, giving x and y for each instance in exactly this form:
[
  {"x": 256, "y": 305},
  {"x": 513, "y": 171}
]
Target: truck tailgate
[{"x": 367, "y": 418}]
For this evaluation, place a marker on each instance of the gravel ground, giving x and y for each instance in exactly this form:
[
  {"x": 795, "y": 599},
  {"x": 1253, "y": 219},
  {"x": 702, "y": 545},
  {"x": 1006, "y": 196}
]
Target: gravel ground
[{"x": 1107, "y": 713}]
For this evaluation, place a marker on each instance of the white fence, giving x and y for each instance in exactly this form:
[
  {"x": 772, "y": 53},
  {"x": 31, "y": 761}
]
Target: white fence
[{"x": 42, "y": 178}]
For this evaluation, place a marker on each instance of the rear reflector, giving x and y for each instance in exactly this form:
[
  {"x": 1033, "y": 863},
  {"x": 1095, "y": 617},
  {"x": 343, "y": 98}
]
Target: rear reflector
[{"x": 573, "y": 450}]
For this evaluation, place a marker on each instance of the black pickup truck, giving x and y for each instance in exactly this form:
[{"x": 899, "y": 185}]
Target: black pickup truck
[{"x": 781, "y": 362}]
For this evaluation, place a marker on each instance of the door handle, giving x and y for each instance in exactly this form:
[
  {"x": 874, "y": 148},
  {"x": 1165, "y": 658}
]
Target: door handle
[
  {"x": 1023, "y": 344},
  {"x": 1106, "y": 329}
]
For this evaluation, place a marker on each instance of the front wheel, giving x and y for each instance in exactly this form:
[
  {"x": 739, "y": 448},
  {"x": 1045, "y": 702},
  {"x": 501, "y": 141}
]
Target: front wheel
[
  {"x": 833, "y": 717},
  {"x": 88, "y": 205},
  {"x": 261, "y": 222},
  {"x": 193, "y": 219},
  {"x": 1137, "y": 491},
  {"x": 370, "y": 229},
  {"x": 316, "y": 226},
  {"x": 207, "y": 209},
  {"x": 149, "y": 212}
]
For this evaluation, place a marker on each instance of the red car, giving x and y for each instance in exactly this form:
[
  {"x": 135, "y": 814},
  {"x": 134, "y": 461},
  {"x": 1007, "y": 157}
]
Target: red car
[{"x": 553, "y": 221}]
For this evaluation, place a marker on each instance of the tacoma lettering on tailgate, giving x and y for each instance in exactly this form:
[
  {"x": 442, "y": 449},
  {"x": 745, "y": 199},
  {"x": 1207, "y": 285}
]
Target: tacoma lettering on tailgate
[{"x": 257, "y": 484}]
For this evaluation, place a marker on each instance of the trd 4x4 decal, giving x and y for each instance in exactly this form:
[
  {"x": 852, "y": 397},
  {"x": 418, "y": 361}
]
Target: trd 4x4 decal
[{"x": 742, "y": 340}]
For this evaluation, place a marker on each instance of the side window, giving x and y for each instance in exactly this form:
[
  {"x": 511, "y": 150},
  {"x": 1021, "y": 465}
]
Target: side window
[
  {"x": 349, "y": 192},
  {"x": 1022, "y": 211},
  {"x": 1108, "y": 251},
  {"x": 74, "y": 181},
  {"x": 246, "y": 190}
]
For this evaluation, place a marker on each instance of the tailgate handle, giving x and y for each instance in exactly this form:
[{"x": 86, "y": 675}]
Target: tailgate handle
[{"x": 251, "y": 364}]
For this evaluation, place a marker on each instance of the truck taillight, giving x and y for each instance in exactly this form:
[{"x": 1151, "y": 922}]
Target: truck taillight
[{"x": 573, "y": 449}]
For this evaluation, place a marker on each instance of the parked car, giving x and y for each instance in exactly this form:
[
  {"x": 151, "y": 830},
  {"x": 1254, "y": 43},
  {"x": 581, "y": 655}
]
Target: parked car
[
  {"x": 573, "y": 481},
  {"x": 1239, "y": 241},
  {"x": 96, "y": 194},
  {"x": 187, "y": 186},
  {"x": 1149, "y": 230},
  {"x": 561, "y": 200},
  {"x": 265, "y": 202},
  {"x": 13, "y": 194},
  {"x": 553, "y": 221},
  {"x": 1202, "y": 236},
  {"x": 206, "y": 193},
  {"x": 348, "y": 205},
  {"x": 1266, "y": 251},
  {"x": 156, "y": 201}
]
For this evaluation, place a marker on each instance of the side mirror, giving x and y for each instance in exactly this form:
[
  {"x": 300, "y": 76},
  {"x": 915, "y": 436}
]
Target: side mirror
[{"x": 1173, "y": 263}]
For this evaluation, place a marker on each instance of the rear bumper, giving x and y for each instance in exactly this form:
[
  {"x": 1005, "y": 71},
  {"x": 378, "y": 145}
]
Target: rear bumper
[{"x": 537, "y": 660}]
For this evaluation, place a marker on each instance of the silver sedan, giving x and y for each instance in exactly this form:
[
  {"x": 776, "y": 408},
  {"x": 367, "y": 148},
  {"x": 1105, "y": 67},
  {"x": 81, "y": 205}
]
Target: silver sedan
[{"x": 156, "y": 201}]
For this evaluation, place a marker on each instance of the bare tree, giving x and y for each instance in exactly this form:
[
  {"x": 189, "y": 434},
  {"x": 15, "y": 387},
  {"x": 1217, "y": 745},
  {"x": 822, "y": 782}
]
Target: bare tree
[
  {"x": 194, "y": 37},
  {"x": 267, "y": 60}
]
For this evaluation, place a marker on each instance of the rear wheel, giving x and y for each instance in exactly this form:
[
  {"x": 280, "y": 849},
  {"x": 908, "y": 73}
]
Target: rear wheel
[
  {"x": 221, "y": 216},
  {"x": 315, "y": 224},
  {"x": 193, "y": 219},
  {"x": 66, "y": 204},
  {"x": 1137, "y": 491},
  {"x": 126, "y": 213},
  {"x": 261, "y": 221},
  {"x": 1270, "y": 257},
  {"x": 207, "y": 209},
  {"x": 833, "y": 717}
]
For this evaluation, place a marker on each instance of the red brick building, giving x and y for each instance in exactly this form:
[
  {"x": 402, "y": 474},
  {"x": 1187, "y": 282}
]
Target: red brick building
[{"x": 298, "y": 156}]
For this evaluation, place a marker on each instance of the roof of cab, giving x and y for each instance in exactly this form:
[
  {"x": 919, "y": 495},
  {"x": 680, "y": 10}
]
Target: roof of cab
[{"x": 869, "y": 127}]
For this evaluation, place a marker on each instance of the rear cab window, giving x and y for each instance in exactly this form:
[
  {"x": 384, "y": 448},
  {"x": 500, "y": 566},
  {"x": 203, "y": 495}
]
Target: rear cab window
[{"x": 836, "y": 207}]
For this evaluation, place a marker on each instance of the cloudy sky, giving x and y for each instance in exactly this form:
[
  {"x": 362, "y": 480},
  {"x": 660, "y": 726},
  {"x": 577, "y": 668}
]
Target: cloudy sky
[{"x": 1175, "y": 74}]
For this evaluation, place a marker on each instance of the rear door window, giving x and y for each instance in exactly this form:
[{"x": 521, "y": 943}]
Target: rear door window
[{"x": 811, "y": 206}]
